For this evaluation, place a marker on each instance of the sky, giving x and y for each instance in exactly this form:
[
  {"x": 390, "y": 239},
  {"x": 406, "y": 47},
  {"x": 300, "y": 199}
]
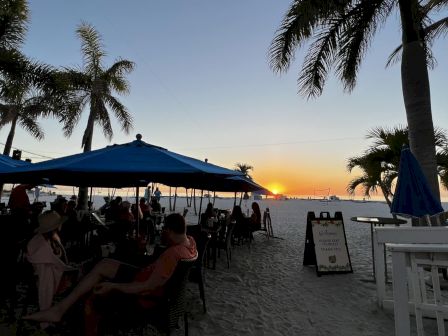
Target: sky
[{"x": 202, "y": 87}]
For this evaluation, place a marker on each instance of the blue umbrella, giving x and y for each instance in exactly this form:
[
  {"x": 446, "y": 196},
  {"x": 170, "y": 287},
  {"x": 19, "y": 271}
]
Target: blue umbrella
[
  {"x": 9, "y": 164},
  {"x": 131, "y": 164},
  {"x": 413, "y": 196}
]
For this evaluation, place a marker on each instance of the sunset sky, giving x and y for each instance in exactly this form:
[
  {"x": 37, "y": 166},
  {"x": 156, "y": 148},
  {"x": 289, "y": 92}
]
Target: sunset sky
[{"x": 202, "y": 87}]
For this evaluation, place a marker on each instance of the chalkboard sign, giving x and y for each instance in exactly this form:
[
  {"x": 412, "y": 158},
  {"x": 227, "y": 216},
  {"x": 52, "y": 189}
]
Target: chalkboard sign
[{"x": 326, "y": 244}]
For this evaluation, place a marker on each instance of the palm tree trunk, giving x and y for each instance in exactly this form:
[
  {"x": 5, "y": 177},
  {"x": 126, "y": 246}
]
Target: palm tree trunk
[
  {"x": 416, "y": 94},
  {"x": 10, "y": 138},
  {"x": 83, "y": 192},
  {"x": 8, "y": 144}
]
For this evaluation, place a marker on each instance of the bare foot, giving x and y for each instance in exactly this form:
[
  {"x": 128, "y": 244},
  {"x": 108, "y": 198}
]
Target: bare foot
[{"x": 49, "y": 315}]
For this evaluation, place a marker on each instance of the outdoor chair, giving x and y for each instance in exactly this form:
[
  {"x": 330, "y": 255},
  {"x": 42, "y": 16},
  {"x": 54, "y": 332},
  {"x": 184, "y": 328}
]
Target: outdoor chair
[
  {"x": 165, "y": 316},
  {"x": 197, "y": 271},
  {"x": 227, "y": 243}
]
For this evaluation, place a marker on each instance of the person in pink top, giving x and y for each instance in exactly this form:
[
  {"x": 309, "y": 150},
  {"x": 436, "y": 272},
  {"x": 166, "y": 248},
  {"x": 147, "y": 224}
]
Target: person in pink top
[{"x": 111, "y": 276}]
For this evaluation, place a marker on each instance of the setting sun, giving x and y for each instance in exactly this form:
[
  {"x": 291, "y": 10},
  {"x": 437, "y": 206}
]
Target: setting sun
[{"x": 275, "y": 188}]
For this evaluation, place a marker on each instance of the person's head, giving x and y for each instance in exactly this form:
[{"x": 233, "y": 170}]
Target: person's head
[
  {"x": 256, "y": 208},
  {"x": 209, "y": 210},
  {"x": 118, "y": 200},
  {"x": 49, "y": 223},
  {"x": 237, "y": 212},
  {"x": 174, "y": 229},
  {"x": 142, "y": 200},
  {"x": 71, "y": 205}
]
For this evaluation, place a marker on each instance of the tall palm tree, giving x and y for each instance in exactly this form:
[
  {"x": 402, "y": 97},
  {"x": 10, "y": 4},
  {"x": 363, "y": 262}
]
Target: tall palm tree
[
  {"x": 341, "y": 32},
  {"x": 245, "y": 169},
  {"x": 95, "y": 86}
]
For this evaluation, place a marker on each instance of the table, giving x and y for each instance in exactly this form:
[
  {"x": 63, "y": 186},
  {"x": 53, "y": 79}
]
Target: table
[{"x": 377, "y": 221}]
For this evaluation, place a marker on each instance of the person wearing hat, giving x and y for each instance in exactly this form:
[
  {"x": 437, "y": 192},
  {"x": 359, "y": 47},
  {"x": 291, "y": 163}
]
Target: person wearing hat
[{"x": 48, "y": 257}]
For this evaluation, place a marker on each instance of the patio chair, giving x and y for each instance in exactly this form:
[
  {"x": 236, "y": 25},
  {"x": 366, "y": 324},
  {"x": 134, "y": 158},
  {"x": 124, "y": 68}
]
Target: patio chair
[
  {"x": 227, "y": 243},
  {"x": 165, "y": 316},
  {"x": 197, "y": 271}
]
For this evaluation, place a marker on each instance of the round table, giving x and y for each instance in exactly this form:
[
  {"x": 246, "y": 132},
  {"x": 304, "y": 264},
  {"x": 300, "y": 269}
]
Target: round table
[{"x": 377, "y": 221}]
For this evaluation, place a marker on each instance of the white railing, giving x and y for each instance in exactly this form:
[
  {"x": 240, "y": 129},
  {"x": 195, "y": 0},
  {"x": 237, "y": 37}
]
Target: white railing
[
  {"x": 401, "y": 235},
  {"x": 411, "y": 263}
]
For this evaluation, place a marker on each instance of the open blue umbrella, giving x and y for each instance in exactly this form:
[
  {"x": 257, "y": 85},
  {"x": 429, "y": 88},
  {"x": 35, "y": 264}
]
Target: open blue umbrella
[
  {"x": 131, "y": 164},
  {"x": 9, "y": 164},
  {"x": 413, "y": 196}
]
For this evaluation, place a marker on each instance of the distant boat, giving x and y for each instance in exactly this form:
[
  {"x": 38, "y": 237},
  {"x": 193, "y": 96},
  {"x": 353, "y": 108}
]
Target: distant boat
[{"x": 334, "y": 198}]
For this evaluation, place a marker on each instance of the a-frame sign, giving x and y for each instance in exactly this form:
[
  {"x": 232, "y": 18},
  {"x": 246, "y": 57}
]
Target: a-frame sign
[{"x": 326, "y": 244}]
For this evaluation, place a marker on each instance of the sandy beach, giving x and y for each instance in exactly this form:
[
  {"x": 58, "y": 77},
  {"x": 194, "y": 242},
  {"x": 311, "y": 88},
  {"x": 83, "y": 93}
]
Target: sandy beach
[{"x": 267, "y": 291}]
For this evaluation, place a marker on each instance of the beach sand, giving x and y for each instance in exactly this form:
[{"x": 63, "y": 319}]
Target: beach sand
[{"x": 267, "y": 291}]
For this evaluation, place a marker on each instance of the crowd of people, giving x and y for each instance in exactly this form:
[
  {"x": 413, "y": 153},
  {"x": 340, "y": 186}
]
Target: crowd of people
[{"x": 48, "y": 235}]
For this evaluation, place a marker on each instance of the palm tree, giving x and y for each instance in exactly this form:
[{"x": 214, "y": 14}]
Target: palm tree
[
  {"x": 95, "y": 85},
  {"x": 14, "y": 16},
  {"x": 342, "y": 32},
  {"x": 22, "y": 107},
  {"x": 373, "y": 176},
  {"x": 244, "y": 168},
  {"x": 379, "y": 164}
]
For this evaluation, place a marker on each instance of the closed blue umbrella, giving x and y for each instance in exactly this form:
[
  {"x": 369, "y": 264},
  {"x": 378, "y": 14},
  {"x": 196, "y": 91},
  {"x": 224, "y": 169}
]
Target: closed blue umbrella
[
  {"x": 130, "y": 164},
  {"x": 413, "y": 196}
]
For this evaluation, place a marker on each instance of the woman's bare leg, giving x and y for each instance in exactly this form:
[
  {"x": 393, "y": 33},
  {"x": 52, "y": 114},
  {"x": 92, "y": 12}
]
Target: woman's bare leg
[{"x": 106, "y": 269}]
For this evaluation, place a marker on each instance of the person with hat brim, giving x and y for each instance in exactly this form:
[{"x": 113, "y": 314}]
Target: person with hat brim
[{"x": 48, "y": 257}]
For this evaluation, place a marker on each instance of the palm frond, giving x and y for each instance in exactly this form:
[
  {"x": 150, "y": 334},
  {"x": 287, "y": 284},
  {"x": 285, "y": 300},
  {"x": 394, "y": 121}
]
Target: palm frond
[
  {"x": 13, "y": 23},
  {"x": 320, "y": 58},
  {"x": 298, "y": 26},
  {"x": 31, "y": 126},
  {"x": 121, "y": 113},
  {"x": 365, "y": 18},
  {"x": 91, "y": 47},
  {"x": 395, "y": 57},
  {"x": 102, "y": 118}
]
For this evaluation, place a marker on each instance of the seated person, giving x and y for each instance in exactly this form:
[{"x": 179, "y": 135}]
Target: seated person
[
  {"x": 255, "y": 218},
  {"x": 113, "y": 212},
  {"x": 145, "y": 208},
  {"x": 208, "y": 214},
  {"x": 139, "y": 284},
  {"x": 71, "y": 230},
  {"x": 47, "y": 255},
  {"x": 155, "y": 205},
  {"x": 241, "y": 229}
]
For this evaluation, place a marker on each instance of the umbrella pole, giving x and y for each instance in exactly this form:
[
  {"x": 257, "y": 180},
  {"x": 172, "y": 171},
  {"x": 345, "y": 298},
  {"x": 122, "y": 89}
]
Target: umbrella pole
[
  {"x": 241, "y": 198},
  {"x": 170, "y": 199},
  {"x": 234, "y": 201},
  {"x": 175, "y": 199},
  {"x": 194, "y": 201},
  {"x": 90, "y": 199},
  {"x": 200, "y": 208},
  {"x": 186, "y": 195},
  {"x": 137, "y": 207},
  {"x": 214, "y": 197}
]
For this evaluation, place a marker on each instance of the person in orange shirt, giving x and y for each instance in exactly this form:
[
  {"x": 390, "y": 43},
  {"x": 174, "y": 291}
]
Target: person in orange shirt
[{"x": 112, "y": 276}]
